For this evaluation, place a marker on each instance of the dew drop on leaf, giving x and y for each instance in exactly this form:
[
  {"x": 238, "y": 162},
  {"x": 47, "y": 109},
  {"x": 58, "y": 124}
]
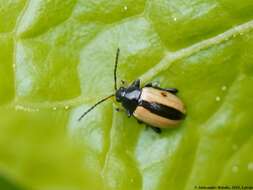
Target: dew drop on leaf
[
  {"x": 235, "y": 169},
  {"x": 224, "y": 88},
  {"x": 250, "y": 166}
]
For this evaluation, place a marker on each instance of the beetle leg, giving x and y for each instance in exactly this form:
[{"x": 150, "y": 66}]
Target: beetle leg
[
  {"x": 156, "y": 129},
  {"x": 128, "y": 113},
  {"x": 123, "y": 82},
  {"x": 136, "y": 83},
  {"x": 139, "y": 121},
  {"x": 171, "y": 90},
  {"x": 149, "y": 84},
  {"x": 118, "y": 109}
]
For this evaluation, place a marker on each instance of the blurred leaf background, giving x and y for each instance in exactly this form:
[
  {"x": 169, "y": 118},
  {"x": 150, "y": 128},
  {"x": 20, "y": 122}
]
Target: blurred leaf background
[{"x": 56, "y": 59}]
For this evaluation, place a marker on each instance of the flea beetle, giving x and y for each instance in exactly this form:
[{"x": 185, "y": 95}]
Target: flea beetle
[{"x": 157, "y": 107}]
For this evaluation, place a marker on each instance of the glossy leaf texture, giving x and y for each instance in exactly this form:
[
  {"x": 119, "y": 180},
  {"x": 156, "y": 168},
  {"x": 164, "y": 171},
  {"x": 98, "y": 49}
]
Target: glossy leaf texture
[{"x": 56, "y": 60}]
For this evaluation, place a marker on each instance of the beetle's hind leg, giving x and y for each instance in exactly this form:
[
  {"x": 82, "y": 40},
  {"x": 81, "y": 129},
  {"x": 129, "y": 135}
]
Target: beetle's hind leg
[
  {"x": 139, "y": 121},
  {"x": 156, "y": 129},
  {"x": 171, "y": 90}
]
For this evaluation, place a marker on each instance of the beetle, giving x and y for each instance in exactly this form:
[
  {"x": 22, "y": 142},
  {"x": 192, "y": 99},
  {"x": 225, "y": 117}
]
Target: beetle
[{"x": 157, "y": 107}]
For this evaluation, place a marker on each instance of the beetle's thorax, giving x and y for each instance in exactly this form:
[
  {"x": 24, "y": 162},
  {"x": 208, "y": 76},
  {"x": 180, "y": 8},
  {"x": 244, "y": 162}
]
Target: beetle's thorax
[{"x": 128, "y": 97}]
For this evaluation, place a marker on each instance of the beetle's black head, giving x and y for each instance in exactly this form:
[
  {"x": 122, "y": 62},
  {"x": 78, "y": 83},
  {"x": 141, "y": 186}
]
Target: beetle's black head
[
  {"x": 128, "y": 97},
  {"x": 120, "y": 94}
]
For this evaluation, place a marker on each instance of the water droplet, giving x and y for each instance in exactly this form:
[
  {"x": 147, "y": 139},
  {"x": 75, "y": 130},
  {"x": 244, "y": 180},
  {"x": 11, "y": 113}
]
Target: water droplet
[
  {"x": 250, "y": 166},
  {"x": 174, "y": 18},
  {"x": 54, "y": 108},
  {"x": 241, "y": 33},
  {"x": 235, "y": 169},
  {"x": 125, "y": 8},
  {"x": 217, "y": 98},
  {"x": 14, "y": 65},
  {"x": 66, "y": 107},
  {"x": 224, "y": 88}
]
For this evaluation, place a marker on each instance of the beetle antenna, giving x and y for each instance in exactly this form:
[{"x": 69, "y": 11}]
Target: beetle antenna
[
  {"x": 115, "y": 69},
  {"x": 92, "y": 107}
]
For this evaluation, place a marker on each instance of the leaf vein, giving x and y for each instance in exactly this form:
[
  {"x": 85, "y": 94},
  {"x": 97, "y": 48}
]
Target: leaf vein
[{"x": 186, "y": 52}]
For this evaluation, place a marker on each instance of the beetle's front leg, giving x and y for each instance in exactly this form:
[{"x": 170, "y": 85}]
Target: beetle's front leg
[
  {"x": 123, "y": 82},
  {"x": 118, "y": 109},
  {"x": 129, "y": 114}
]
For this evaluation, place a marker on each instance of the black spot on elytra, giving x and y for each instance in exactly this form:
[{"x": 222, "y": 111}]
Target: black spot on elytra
[{"x": 163, "y": 94}]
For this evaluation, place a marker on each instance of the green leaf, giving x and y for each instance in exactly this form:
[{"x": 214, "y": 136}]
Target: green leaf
[{"x": 57, "y": 60}]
